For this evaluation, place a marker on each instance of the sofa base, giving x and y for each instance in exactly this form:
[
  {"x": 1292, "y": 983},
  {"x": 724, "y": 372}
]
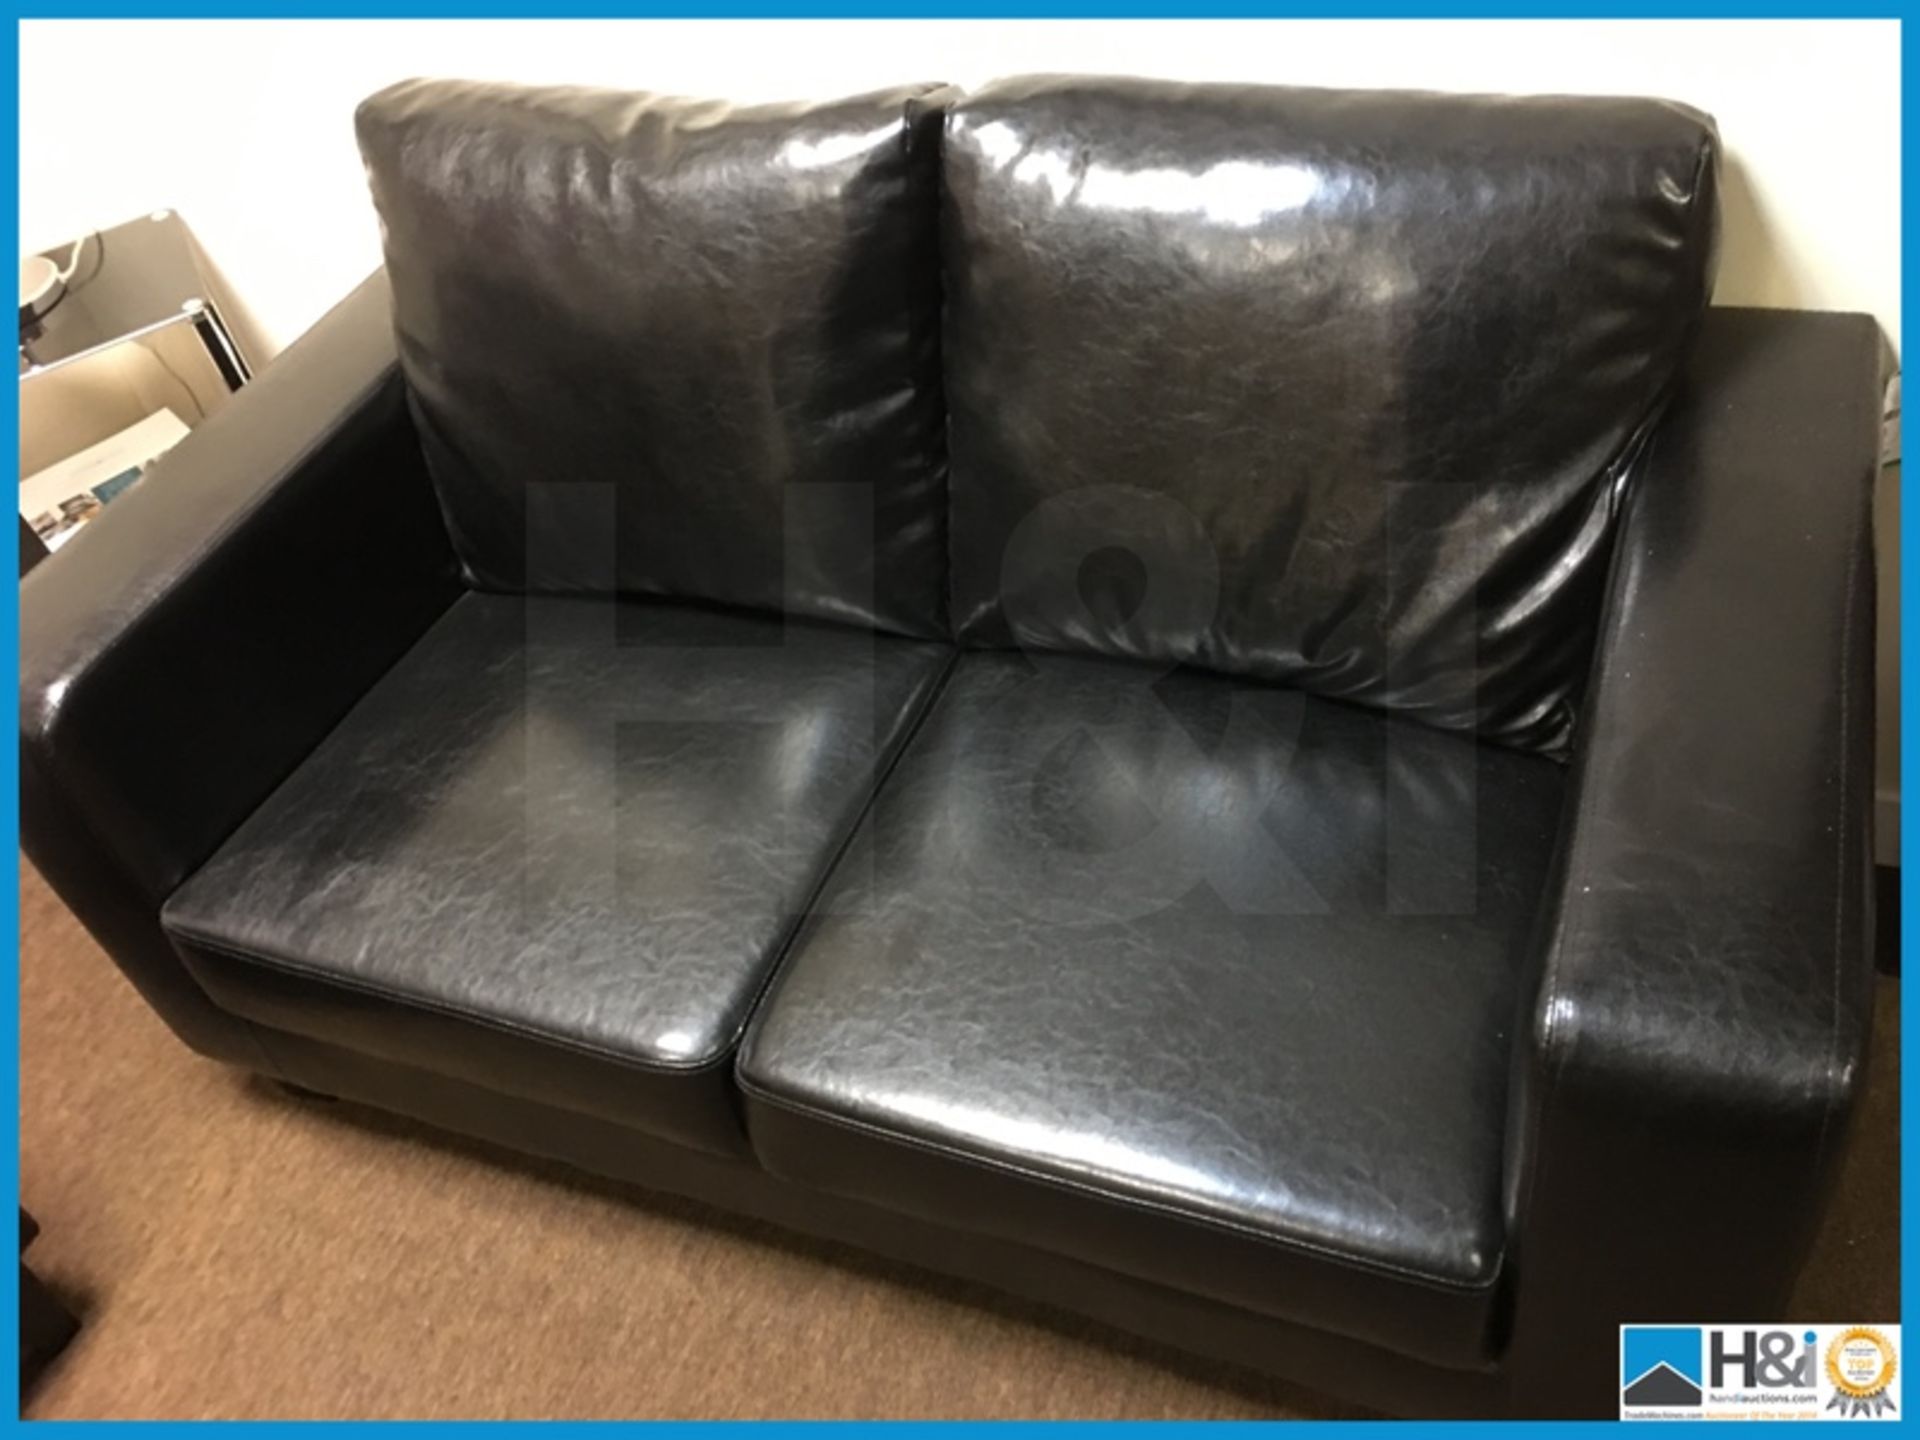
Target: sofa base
[{"x": 1334, "y": 1365}]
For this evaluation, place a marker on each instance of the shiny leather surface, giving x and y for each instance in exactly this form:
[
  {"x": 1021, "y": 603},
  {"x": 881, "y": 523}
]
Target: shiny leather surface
[
  {"x": 1703, "y": 997},
  {"x": 189, "y": 647},
  {"x": 1209, "y": 984},
  {"x": 1249, "y": 1020},
  {"x": 1334, "y": 388},
  {"x": 559, "y": 847},
  {"x": 675, "y": 347},
  {"x": 1170, "y": 1317}
]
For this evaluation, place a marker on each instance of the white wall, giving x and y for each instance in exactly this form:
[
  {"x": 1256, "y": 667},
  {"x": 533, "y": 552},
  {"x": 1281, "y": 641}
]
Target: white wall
[{"x": 245, "y": 126}]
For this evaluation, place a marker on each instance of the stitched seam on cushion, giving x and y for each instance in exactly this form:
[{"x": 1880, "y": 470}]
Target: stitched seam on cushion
[
  {"x": 1168, "y": 1209},
  {"x": 362, "y": 986},
  {"x": 722, "y": 1056},
  {"x": 889, "y": 760}
]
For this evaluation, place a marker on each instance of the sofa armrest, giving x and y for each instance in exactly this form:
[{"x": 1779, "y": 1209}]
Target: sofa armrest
[
  {"x": 183, "y": 652},
  {"x": 1705, "y": 982}
]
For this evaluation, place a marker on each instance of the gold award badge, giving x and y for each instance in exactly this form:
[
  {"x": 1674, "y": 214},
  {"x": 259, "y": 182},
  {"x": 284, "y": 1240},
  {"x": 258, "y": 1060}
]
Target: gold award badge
[{"x": 1861, "y": 1365}]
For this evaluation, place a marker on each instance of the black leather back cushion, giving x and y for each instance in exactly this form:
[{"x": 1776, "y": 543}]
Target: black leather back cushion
[
  {"x": 675, "y": 347},
  {"x": 1335, "y": 388}
]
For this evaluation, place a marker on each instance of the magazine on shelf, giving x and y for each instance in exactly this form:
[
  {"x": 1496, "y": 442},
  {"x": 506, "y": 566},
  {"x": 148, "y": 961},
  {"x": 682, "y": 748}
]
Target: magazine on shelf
[{"x": 60, "y": 499}]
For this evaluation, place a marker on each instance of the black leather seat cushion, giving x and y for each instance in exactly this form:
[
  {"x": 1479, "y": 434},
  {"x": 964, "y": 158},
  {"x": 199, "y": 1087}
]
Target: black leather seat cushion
[
  {"x": 675, "y": 347},
  {"x": 558, "y": 849},
  {"x": 1209, "y": 984},
  {"x": 1329, "y": 387}
]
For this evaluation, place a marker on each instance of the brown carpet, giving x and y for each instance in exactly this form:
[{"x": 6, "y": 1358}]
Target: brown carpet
[{"x": 236, "y": 1253}]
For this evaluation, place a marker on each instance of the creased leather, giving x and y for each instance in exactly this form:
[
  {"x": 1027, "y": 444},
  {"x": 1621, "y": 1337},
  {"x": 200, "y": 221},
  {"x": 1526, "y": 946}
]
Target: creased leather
[
  {"x": 1215, "y": 1008},
  {"x": 183, "y": 652},
  {"x": 1168, "y": 1315},
  {"x": 1328, "y": 387},
  {"x": 675, "y": 347},
  {"x": 1701, "y": 1003},
  {"x": 1219, "y": 981},
  {"x": 560, "y": 831}
]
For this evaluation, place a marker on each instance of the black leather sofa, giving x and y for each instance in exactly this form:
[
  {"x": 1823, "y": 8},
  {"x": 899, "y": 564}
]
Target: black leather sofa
[{"x": 1230, "y": 708}]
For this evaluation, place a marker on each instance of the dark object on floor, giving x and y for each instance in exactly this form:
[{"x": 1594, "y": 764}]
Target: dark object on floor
[
  {"x": 45, "y": 1324},
  {"x": 623, "y": 738}
]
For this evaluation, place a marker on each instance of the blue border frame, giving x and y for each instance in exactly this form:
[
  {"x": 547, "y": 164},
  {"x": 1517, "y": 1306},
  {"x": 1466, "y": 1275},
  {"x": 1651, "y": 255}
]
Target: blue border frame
[
  {"x": 934, "y": 9},
  {"x": 963, "y": 9},
  {"x": 959, "y": 10},
  {"x": 10, "y": 780}
]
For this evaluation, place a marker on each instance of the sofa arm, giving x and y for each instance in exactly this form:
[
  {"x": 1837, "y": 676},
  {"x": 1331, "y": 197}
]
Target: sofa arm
[
  {"x": 183, "y": 653},
  {"x": 1705, "y": 979}
]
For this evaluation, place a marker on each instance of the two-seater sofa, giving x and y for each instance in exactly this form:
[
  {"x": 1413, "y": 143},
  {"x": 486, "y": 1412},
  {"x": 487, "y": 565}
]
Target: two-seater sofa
[{"x": 1231, "y": 708}]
